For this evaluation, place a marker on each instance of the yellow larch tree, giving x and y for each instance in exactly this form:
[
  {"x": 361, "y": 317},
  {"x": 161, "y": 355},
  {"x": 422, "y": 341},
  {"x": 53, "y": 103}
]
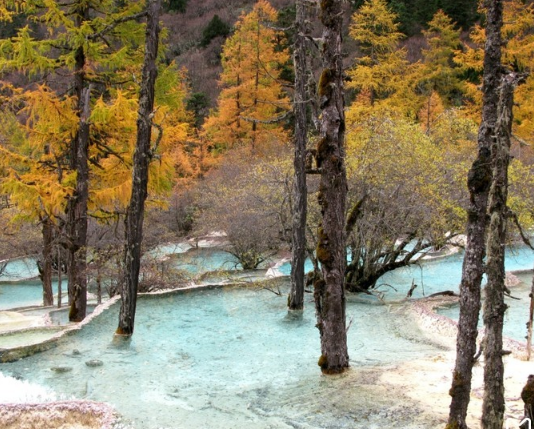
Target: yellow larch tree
[
  {"x": 381, "y": 75},
  {"x": 252, "y": 100},
  {"x": 438, "y": 71}
]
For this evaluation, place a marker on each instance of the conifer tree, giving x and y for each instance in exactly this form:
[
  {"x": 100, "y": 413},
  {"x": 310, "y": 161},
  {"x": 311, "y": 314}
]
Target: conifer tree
[
  {"x": 381, "y": 73},
  {"x": 252, "y": 101},
  {"x": 439, "y": 72},
  {"x": 86, "y": 50}
]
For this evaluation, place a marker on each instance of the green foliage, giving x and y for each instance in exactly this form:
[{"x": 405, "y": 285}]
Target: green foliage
[
  {"x": 215, "y": 28},
  {"x": 10, "y": 29},
  {"x": 415, "y": 14},
  {"x": 198, "y": 103},
  {"x": 176, "y": 5},
  {"x": 439, "y": 71}
]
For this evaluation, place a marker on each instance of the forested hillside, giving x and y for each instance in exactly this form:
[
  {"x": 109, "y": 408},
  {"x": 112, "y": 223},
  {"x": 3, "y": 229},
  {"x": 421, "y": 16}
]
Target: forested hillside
[{"x": 197, "y": 31}]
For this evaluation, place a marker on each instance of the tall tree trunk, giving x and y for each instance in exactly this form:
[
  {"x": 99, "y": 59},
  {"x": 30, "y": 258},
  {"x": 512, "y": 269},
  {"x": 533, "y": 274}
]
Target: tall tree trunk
[
  {"x": 78, "y": 219},
  {"x": 300, "y": 193},
  {"x": 59, "y": 277},
  {"x": 479, "y": 182},
  {"x": 530, "y": 321},
  {"x": 45, "y": 265},
  {"x": 142, "y": 156},
  {"x": 76, "y": 227},
  {"x": 330, "y": 293},
  {"x": 494, "y": 306}
]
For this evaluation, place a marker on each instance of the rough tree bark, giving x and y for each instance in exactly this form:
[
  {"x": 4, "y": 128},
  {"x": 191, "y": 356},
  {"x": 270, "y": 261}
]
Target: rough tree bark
[
  {"x": 479, "y": 182},
  {"x": 300, "y": 194},
  {"x": 530, "y": 320},
  {"x": 527, "y": 395},
  {"x": 45, "y": 264},
  {"x": 77, "y": 218},
  {"x": 329, "y": 293},
  {"x": 59, "y": 277},
  {"x": 142, "y": 156},
  {"x": 494, "y": 306},
  {"x": 76, "y": 226}
]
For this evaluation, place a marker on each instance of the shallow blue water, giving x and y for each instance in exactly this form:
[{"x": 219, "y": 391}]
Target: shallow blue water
[
  {"x": 222, "y": 358},
  {"x": 202, "y": 260},
  {"x": 19, "y": 269},
  {"x": 24, "y": 293},
  {"x": 517, "y": 313}
]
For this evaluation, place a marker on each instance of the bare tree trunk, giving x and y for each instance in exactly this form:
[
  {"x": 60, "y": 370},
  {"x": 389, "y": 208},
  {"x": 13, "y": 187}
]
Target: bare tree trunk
[
  {"x": 330, "y": 293},
  {"x": 527, "y": 395},
  {"x": 45, "y": 265},
  {"x": 59, "y": 276},
  {"x": 479, "y": 182},
  {"x": 300, "y": 192},
  {"x": 142, "y": 156},
  {"x": 76, "y": 227},
  {"x": 78, "y": 218},
  {"x": 494, "y": 306},
  {"x": 530, "y": 320}
]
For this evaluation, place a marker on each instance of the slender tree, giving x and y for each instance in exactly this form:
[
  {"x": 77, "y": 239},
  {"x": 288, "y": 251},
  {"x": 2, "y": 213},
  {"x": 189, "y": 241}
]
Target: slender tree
[
  {"x": 380, "y": 75},
  {"x": 252, "y": 101},
  {"x": 329, "y": 292},
  {"x": 478, "y": 182},
  {"x": 300, "y": 194},
  {"x": 494, "y": 306},
  {"x": 142, "y": 156},
  {"x": 438, "y": 72},
  {"x": 89, "y": 44}
]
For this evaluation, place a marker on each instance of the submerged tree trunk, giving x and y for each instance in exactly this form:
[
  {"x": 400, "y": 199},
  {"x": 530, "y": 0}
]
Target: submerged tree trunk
[
  {"x": 142, "y": 156},
  {"x": 45, "y": 264},
  {"x": 59, "y": 277},
  {"x": 77, "y": 218},
  {"x": 530, "y": 320},
  {"x": 300, "y": 194},
  {"x": 478, "y": 182},
  {"x": 329, "y": 293},
  {"x": 76, "y": 227},
  {"x": 494, "y": 306}
]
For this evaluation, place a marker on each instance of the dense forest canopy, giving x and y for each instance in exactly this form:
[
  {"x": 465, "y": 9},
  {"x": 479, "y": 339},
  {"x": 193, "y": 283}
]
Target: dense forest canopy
[{"x": 412, "y": 78}]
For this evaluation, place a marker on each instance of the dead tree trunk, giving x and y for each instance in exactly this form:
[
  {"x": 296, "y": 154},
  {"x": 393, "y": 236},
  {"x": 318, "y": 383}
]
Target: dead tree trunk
[
  {"x": 59, "y": 276},
  {"x": 142, "y": 156},
  {"x": 530, "y": 320},
  {"x": 527, "y": 395},
  {"x": 77, "y": 218},
  {"x": 329, "y": 293},
  {"x": 494, "y": 306},
  {"x": 300, "y": 194},
  {"x": 45, "y": 264},
  {"x": 478, "y": 182},
  {"x": 76, "y": 226}
]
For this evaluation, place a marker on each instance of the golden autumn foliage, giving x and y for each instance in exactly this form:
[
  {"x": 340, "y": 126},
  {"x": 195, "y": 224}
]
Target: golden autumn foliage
[
  {"x": 49, "y": 118},
  {"x": 381, "y": 74},
  {"x": 517, "y": 55},
  {"x": 438, "y": 71},
  {"x": 252, "y": 101}
]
